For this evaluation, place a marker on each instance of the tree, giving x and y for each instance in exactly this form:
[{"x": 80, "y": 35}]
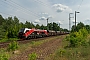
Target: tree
[
  {"x": 50, "y": 25},
  {"x": 42, "y": 27},
  {"x": 78, "y": 27},
  {"x": 1, "y": 20},
  {"x": 2, "y": 32},
  {"x": 73, "y": 28},
  {"x": 37, "y": 26},
  {"x": 27, "y": 24},
  {"x": 21, "y": 25},
  {"x": 16, "y": 20},
  {"x": 65, "y": 30},
  {"x": 87, "y": 28},
  {"x": 32, "y": 25},
  {"x": 55, "y": 26}
]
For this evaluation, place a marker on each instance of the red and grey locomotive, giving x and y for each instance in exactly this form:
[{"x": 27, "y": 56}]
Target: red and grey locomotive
[{"x": 26, "y": 33}]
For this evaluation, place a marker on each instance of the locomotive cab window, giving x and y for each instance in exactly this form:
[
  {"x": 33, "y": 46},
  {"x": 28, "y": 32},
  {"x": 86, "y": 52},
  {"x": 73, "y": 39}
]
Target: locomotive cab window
[
  {"x": 22, "y": 30},
  {"x": 27, "y": 31}
]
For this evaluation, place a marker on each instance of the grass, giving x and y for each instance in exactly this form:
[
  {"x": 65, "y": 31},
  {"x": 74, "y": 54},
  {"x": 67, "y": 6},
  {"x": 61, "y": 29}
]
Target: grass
[
  {"x": 7, "y": 40},
  {"x": 70, "y": 53},
  {"x": 4, "y": 55},
  {"x": 32, "y": 56},
  {"x": 29, "y": 45}
]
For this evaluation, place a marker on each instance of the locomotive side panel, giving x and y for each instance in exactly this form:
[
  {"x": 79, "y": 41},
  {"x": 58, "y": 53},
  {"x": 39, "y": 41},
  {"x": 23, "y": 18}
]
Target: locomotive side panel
[{"x": 32, "y": 33}]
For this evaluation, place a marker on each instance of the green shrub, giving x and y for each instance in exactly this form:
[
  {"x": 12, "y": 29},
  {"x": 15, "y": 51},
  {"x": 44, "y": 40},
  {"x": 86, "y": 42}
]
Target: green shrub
[
  {"x": 4, "y": 55},
  {"x": 74, "y": 42},
  {"x": 79, "y": 38},
  {"x": 13, "y": 46},
  {"x": 60, "y": 52},
  {"x": 32, "y": 56},
  {"x": 67, "y": 38}
]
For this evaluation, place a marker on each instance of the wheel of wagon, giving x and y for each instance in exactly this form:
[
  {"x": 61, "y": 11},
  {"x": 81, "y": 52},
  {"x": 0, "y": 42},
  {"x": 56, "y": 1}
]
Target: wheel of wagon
[{"x": 28, "y": 38}]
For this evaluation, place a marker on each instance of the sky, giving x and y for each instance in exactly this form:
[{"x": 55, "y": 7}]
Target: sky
[{"x": 39, "y": 10}]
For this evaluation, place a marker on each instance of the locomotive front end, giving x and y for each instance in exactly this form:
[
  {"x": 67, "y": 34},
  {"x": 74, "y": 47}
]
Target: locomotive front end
[{"x": 21, "y": 33}]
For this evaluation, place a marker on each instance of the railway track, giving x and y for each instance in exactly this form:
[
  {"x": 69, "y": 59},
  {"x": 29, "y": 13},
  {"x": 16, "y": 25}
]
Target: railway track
[{"x": 5, "y": 44}]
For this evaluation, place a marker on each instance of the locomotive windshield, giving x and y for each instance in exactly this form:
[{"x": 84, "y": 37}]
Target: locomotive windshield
[{"x": 22, "y": 30}]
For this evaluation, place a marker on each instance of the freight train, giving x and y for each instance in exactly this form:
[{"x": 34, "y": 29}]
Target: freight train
[{"x": 26, "y": 33}]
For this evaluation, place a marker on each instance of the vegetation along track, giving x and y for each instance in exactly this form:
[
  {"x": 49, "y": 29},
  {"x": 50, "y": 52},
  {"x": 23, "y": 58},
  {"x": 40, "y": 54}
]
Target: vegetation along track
[
  {"x": 5, "y": 44},
  {"x": 43, "y": 50}
]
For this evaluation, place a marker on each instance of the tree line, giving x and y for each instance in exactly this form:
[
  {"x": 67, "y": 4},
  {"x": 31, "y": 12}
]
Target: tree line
[
  {"x": 79, "y": 26},
  {"x": 9, "y": 27}
]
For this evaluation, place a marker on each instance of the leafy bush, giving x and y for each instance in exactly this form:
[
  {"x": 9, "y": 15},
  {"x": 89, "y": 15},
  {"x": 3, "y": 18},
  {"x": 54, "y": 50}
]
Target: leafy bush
[
  {"x": 60, "y": 52},
  {"x": 78, "y": 38},
  {"x": 13, "y": 46},
  {"x": 4, "y": 55},
  {"x": 32, "y": 56},
  {"x": 67, "y": 38}
]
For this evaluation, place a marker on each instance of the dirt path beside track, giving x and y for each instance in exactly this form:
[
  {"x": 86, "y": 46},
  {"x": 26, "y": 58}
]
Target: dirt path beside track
[{"x": 43, "y": 51}]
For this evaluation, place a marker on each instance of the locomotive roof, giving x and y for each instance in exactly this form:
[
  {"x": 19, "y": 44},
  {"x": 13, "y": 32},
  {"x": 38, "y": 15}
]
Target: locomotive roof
[{"x": 34, "y": 29}]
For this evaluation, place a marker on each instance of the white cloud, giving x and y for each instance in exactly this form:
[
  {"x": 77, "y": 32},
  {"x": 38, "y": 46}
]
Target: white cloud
[
  {"x": 43, "y": 18},
  {"x": 61, "y": 8},
  {"x": 88, "y": 19},
  {"x": 37, "y": 21}
]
